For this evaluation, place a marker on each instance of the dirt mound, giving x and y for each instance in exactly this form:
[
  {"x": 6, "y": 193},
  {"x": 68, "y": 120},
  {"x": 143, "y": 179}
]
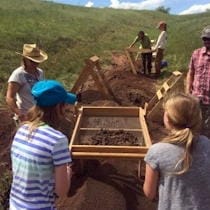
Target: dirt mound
[
  {"x": 113, "y": 185},
  {"x": 7, "y": 130},
  {"x": 106, "y": 137},
  {"x": 128, "y": 89},
  {"x": 94, "y": 194}
]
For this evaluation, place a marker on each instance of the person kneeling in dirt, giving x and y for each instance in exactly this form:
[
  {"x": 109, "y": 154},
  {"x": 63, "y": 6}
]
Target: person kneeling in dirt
[
  {"x": 180, "y": 163},
  {"x": 39, "y": 152},
  {"x": 145, "y": 47}
]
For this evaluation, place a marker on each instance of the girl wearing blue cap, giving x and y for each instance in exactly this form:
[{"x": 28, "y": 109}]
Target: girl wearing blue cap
[{"x": 40, "y": 155}]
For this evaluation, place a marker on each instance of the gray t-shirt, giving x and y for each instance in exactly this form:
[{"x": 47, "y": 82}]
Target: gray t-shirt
[
  {"x": 24, "y": 97},
  {"x": 189, "y": 191}
]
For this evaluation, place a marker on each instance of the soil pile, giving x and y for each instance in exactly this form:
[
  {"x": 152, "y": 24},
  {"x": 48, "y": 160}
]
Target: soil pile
[
  {"x": 7, "y": 129},
  {"x": 120, "y": 137}
]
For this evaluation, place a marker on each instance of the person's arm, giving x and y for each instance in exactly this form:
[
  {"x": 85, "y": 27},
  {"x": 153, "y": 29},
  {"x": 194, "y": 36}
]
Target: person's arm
[
  {"x": 63, "y": 175},
  {"x": 12, "y": 89},
  {"x": 190, "y": 77},
  {"x": 134, "y": 42},
  {"x": 151, "y": 182},
  {"x": 189, "y": 82}
]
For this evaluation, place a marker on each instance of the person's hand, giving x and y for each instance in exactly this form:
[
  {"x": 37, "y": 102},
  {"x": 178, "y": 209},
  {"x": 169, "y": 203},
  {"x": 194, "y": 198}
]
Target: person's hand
[{"x": 153, "y": 50}]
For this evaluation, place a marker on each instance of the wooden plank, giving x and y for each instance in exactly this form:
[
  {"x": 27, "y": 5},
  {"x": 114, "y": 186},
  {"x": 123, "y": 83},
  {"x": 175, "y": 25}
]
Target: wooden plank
[
  {"x": 177, "y": 73},
  {"x": 131, "y": 61},
  {"x": 159, "y": 94},
  {"x": 132, "y": 49},
  {"x": 111, "y": 129},
  {"x": 111, "y": 111},
  {"x": 92, "y": 155},
  {"x": 94, "y": 59},
  {"x": 166, "y": 86},
  {"x": 100, "y": 84},
  {"x": 91, "y": 62},
  {"x": 82, "y": 77},
  {"x": 76, "y": 129},
  {"x": 77, "y": 107},
  {"x": 145, "y": 51},
  {"x": 109, "y": 148},
  {"x": 152, "y": 103},
  {"x": 101, "y": 78},
  {"x": 145, "y": 131},
  {"x": 154, "y": 106},
  {"x": 137, "y": 50},
  {"x": 105, "y": 83}
]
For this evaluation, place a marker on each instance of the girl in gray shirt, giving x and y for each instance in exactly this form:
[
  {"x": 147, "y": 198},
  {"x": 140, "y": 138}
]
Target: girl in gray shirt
[{"x": 179, "y": 166}]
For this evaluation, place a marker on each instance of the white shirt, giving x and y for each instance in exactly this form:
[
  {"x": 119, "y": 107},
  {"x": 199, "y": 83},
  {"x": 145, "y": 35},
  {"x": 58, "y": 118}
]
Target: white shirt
[
  {"x": 162, "y": 41},
  {"x": 24, "y": 97}
]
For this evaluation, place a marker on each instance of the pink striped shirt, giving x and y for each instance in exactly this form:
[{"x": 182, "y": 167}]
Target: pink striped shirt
[{"x": 200, "y": 67}]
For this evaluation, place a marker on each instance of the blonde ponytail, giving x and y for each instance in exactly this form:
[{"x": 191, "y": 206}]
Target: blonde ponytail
[
  {"x": 183, "y": 138},
  {"x": 184, "y": 117}
]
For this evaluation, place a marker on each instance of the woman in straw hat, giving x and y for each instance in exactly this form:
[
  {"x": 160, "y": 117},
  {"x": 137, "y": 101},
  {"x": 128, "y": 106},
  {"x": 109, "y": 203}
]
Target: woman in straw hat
[
  {"x": 39, "y": 152},
  {"x": 18, "y": 96}
]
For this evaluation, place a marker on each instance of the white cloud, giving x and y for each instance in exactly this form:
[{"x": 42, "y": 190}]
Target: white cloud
[
  {"x": 195, "y": 9},
  {"x": 89, "y": 4},
  {"x": 146, "y": 4}
]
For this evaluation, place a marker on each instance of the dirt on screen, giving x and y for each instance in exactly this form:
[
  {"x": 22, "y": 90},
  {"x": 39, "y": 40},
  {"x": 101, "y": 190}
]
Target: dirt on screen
[
  {"x": 105, "y": 184},
  {"x": 119, "y": 137}
]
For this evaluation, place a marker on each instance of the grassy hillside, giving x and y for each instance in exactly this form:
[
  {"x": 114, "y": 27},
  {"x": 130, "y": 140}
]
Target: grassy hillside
[{"x": 71, "y": 34}]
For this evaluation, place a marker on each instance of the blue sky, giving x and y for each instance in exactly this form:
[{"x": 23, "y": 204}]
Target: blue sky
[{"x": 178, "y": 7}]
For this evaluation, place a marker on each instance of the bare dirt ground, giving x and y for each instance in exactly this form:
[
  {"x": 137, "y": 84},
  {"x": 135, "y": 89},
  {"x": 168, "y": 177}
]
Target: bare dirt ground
[{"x": 105, "y": 184}]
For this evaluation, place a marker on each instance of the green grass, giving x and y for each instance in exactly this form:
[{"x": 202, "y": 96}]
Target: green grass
[{"x": 70, "y": 34}]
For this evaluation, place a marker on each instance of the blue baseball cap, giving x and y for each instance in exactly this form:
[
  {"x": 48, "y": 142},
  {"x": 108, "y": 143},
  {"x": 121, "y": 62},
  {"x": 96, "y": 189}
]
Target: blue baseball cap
[{"x": 50, "y": 93}]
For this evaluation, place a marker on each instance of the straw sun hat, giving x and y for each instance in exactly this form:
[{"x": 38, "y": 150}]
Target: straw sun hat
[{"x": 32, "y": 52}]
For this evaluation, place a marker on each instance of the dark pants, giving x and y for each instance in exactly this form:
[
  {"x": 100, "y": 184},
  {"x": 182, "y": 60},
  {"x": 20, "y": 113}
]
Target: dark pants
[
  {"x": 205, "y": 129},
  {"x": 158, "y": 59},
  {"x": 147, "y": 62}
]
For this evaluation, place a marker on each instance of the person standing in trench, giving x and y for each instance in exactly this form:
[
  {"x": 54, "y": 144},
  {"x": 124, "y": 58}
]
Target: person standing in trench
[
  {"x": 22, "y": 79},
  {"x": 198, "y": 78},
  {"x": 41, "y": 160},
  {"x": 160, "y": 47},
  {"x": 145, "y": 44}
]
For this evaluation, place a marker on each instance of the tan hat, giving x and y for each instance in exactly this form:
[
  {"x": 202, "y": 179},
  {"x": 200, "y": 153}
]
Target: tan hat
[
  {"x": 206, "y": 32},
  {"x": 161, "y": 23},
  {"x": 32, "y": 52}
]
